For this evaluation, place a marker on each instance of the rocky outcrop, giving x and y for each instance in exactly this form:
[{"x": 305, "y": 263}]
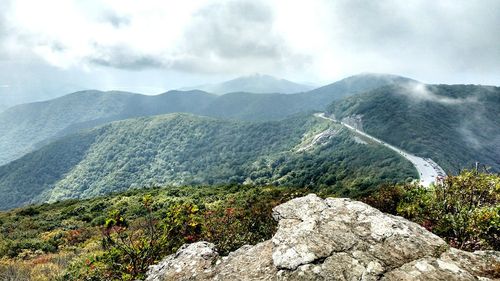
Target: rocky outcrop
[
  {"x": 333, "y": 239},
  {"x": 319, "y": 139},
  {"x": 355, "y": 121}
]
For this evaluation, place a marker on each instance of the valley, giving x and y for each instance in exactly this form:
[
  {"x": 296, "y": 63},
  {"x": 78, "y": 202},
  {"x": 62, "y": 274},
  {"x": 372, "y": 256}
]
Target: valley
[{"x": 116, "y": 141}]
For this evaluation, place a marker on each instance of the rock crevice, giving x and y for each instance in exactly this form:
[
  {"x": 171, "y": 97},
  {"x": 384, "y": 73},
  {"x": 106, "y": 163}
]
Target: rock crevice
[{"x": 332, "y": 239}]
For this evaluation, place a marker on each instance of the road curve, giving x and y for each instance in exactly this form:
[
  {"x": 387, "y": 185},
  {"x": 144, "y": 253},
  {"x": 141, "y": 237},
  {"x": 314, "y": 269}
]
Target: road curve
[{"x": 427, "y": 169}]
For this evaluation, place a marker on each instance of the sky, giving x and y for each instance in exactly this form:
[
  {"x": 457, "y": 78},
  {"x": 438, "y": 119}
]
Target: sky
[{"x": 53, "y": 47}]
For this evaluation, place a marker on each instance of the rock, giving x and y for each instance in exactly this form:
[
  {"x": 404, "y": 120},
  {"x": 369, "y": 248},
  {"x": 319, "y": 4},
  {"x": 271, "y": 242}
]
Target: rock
[
  {"x": 333, "y": 239},
  {"x": 190, "y": 261},
  {"x": 356, "y": 121}
]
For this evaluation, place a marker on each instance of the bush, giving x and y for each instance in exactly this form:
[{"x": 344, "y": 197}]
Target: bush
[
  {"x": 386, "y": 199},
  {"x": 131, "y": 249},
  {"x": 120, "y": 244},
  {"x": 463, "y": 209}
]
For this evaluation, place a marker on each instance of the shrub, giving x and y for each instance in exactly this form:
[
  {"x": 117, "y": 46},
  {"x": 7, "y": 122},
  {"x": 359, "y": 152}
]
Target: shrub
[
  {"x": 463, "y": 209},
  {"x": 386, "y": 199},
  {"x": 131, "y": 249}
]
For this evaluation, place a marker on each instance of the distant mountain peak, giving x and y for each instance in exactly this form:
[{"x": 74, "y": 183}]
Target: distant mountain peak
[{"x": 254, "y": 83}]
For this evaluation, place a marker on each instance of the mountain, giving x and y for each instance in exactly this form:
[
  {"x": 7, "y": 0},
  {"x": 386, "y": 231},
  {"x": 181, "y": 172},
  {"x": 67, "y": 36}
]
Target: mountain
[
  {"x": 182, "y": 149},
  {"x": 257, "y": 83},
  {"x": 23, "y": 128},
  {"x": 360, "y": 83},
  {"x": 455, "y": 125}
]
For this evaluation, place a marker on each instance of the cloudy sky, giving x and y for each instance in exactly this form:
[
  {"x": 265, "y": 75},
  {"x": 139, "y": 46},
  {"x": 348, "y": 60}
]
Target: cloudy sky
[{"x": 52, "y": 47}]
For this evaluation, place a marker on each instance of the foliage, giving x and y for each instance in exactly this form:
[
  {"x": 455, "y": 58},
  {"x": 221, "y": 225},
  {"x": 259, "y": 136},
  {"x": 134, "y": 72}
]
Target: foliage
[
  {"x": 24, "y": 128},
  {"x": 463, "y": 209},
  {"x": 182, "y": 149},
  {"x": 386, "y": 198},
  {"x": 138, "y": 228},
  {"x": 129, "y": 249},
  {"x": 44, "y": 267},
  {"x": 455, "y": 125}
]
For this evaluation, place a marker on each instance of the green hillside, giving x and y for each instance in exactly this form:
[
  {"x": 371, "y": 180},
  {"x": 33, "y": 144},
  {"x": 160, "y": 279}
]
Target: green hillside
[
  {"x": 26, "y": 127},
  {"x": 455, "y": 125},
  {"x": 246, "y": 106},
  {"x": 181, "y": 149}
]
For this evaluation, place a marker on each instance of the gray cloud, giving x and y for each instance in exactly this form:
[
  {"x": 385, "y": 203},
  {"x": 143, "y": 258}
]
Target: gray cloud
[
  {"x": 449, "y": 41},
  {"x": 233, "y": 30},
  {"x": 219, "y": 38},
  {"x": 3, "y": 29},
  {"x": 422, "y": 92},
  {"x": 122, "y": 57},
  {"x": 443, "y": 35},
  {"x": 116, "y": 20}
]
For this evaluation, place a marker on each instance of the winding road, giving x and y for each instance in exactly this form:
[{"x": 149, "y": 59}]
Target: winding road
[{"x": 427, "y": 169}]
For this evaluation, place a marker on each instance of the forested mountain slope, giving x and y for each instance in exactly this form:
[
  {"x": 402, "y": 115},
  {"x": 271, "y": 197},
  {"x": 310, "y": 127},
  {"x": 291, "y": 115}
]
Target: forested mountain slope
[
  {"x": 26, "y": 127},
  {"x": 181, "y": 149},
  {"x": 455, "y": 125}
]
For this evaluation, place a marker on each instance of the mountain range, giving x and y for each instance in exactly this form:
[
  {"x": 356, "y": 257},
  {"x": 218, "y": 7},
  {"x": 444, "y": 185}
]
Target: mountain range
[
  {"x": 182, "y": 149},
  {"x": 90, "y": 143},
  {"x": 26, "y": 127}
]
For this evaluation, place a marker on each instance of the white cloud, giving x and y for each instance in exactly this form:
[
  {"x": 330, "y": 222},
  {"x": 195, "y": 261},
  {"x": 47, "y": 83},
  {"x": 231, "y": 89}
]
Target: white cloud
[
  {"x": 422, "y": 92},
  {"x": 322, "y": 40}
]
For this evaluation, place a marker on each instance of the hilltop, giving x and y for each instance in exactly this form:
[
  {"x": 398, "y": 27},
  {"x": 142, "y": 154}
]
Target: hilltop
[{"x": 256, "y": 83}]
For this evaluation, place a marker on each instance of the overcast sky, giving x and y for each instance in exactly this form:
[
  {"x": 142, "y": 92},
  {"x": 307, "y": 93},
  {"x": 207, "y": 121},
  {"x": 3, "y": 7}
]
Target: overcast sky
[{"x": 52, "y": 47}]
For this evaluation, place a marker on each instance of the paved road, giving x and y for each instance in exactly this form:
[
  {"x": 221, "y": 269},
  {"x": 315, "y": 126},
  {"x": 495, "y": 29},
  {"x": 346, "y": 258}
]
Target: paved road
[{"x": 427, "y": 169}]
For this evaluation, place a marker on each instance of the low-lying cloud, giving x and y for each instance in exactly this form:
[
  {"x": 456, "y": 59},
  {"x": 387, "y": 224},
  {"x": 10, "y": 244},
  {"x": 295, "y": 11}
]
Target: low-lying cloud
[{"x": 422, "y": 92}]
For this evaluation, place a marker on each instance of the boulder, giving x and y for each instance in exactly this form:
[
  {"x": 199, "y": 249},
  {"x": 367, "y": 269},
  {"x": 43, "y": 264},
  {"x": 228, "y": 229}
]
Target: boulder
[{"x": 333, "y": 239}]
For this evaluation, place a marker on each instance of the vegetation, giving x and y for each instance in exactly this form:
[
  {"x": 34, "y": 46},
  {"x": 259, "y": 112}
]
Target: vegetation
[
  {"x": 454, "y": 125},
  {"x": 181, "y": 149},
  {"x": 226, "y": 172},
  {"x": 24, "y": 128},
  {"x": 116, "y": 237},
  {"x": 463, "y": 209}
]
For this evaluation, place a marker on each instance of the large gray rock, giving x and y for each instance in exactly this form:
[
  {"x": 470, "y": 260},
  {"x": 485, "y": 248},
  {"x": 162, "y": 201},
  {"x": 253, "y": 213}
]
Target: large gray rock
[{"x": 333, "y": 239}]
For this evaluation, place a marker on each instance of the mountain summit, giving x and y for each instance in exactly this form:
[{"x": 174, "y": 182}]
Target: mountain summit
[{"x": 256, "y": 83}]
